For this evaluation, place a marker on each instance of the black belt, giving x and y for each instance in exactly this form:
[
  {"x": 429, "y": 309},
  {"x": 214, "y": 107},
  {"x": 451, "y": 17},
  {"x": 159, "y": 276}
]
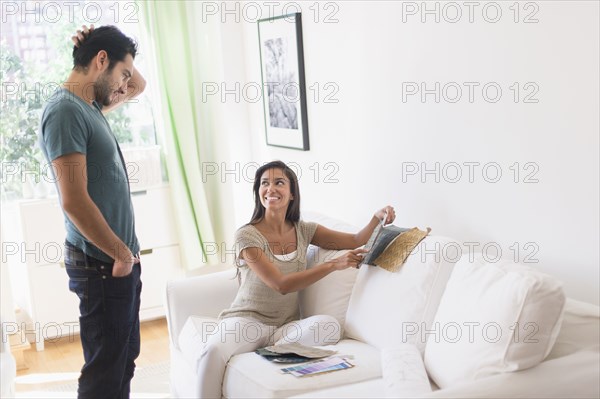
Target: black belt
[{"x": 79, "y": 257}]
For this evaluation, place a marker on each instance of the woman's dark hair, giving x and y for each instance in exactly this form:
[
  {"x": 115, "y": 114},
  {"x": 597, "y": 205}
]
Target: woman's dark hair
[
  {"x": 108, "y": 38},
  {"x": 293, "y": 211}
]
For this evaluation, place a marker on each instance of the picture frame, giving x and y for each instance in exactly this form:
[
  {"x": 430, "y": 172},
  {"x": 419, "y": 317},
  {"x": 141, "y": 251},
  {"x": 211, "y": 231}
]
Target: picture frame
[{"x": 283, "y": 81}]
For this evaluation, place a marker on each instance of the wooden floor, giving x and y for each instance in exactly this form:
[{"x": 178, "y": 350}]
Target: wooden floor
[{"x": 66, "y": 356}]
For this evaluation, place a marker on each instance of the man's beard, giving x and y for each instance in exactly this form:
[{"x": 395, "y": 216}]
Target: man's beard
[{"x": 102, "y": 90}]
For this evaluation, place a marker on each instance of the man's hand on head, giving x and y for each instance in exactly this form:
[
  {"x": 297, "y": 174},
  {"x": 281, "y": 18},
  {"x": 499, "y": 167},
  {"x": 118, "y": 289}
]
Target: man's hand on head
[{"x": 81, "y": 35}]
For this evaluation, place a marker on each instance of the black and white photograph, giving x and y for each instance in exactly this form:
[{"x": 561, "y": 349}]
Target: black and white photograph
[
  {"x": 282, "y": 86},
  {"x": 284, "y": 93}
]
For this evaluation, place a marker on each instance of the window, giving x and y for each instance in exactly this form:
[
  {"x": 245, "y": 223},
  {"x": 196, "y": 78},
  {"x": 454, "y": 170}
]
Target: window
[{"x": 36, "y": 59}]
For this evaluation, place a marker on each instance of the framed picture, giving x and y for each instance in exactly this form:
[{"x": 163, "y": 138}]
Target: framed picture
[{"x": 283, "y": 84}]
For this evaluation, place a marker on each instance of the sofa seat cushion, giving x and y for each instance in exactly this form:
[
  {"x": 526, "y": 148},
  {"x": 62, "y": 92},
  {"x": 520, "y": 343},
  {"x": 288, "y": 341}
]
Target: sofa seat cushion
[
  {"x": 389, "y": 308},
  {"x": 364, "y": 389},
  {"x": 250, "y": 376}
]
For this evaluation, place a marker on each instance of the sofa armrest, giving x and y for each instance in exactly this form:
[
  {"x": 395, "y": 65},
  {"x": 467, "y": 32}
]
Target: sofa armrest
[{"x": 205, "y": 296}]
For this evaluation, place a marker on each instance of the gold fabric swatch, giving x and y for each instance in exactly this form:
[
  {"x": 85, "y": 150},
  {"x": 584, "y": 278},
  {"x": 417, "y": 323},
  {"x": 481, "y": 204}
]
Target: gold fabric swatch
[{"x": 394, "y": 256}]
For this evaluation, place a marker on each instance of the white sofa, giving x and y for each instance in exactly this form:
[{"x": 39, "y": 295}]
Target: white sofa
[{"x": 379, "y": 310}]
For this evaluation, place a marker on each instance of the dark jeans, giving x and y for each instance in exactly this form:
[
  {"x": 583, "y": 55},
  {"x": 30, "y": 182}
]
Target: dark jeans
[{"x": 109, "y": 324}]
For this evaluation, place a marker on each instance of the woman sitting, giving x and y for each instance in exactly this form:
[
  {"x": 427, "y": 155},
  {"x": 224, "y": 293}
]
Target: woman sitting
[{"x": 271, "y": 259}]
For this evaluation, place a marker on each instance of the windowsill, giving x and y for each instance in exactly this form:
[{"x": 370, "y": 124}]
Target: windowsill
[{"x": 54, "y": 197}]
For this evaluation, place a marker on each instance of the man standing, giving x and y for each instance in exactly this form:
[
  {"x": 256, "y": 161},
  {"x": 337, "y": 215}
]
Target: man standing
[{"x": 101, "y": 245}]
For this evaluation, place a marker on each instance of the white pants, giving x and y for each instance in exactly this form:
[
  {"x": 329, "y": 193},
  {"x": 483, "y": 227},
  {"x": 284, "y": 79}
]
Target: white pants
[{"x": 237, "y": 335}]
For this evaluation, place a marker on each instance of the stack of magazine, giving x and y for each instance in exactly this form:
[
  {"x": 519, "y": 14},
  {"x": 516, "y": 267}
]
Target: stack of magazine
[
  {"x": 314, "y": 360},
  {"x": 293, "y": 353}
]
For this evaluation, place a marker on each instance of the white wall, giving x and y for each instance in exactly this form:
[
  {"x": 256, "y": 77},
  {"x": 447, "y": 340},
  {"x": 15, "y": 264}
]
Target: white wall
[{"x": 371, "y": 134}]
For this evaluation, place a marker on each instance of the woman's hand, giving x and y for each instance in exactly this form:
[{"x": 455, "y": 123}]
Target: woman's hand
[
  {"x": 81, "y": 35},
  {"x": 386, "y": 212},
  {"x": 349, "y": 259}
]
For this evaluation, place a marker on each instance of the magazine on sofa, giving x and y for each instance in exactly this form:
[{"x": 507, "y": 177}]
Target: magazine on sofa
[
  {"x": 389, "y": 246},
  {"x": 292, "y": 353},
  {"x": 327, "y": 365}
]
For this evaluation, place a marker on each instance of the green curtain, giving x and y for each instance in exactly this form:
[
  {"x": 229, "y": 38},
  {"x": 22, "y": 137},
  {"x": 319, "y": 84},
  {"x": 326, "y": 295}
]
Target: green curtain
[{"x": 165, "y": 25}]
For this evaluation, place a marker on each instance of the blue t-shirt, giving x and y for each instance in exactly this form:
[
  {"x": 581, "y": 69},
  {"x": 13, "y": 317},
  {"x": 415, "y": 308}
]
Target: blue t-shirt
[{"x": 71, "y": 125}]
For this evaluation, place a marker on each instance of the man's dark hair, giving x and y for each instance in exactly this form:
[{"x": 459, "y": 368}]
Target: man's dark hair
[{"x": 108, "y": 38}]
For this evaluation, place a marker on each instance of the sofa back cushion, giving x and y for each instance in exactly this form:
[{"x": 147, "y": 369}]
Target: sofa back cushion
[
  {"x": 387, "y": 308},
  {"x": 493, "y": 318},
  {"x": 331, "y": 294}
]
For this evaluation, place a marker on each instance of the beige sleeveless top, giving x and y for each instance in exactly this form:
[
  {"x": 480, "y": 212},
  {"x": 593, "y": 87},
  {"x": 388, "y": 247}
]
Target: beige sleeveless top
[{"x": 254, "y": 298}]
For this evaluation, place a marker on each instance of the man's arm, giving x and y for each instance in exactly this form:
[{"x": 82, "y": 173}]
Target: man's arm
[
  {"x": 135, "y": 87},
  {"x": 83, "y": 212}
]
